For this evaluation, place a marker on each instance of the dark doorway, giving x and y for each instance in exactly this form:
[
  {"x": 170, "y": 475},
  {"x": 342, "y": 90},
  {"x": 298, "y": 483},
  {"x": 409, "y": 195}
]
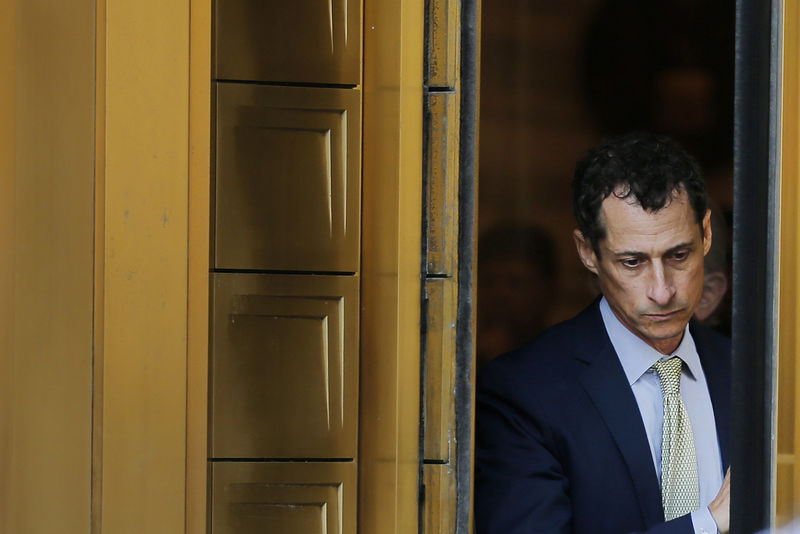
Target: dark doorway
[{"x": 557, "y": 76}]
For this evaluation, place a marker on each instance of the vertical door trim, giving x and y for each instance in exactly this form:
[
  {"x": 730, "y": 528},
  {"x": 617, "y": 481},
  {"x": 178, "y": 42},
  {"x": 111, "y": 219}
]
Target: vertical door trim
[
  {"x": 391, "y": 237},
  {"x": 144, "y": 80},
  {"x": 467, "y": 240},
  {"x": 98, "y": 315},
  {"x": 756, "y": 154},
  {"x": 787, "y": 473},
  {"x": 8, "y": 52},
  {"x": 197, "y": 334}
]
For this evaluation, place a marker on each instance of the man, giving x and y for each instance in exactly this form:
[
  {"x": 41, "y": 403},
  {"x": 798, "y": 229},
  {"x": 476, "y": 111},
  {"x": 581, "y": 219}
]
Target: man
[{"x": 616, "y": 421}]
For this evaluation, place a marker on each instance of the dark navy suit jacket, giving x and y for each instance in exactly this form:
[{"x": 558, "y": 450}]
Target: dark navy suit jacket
[{"x": 560, "y": 443}]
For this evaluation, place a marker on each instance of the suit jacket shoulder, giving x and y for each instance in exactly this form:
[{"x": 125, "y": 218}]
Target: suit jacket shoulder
[{"x": 551, "y": 353}]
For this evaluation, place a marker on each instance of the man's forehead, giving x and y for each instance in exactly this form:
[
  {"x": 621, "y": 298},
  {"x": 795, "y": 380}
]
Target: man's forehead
[
  {"x": 622, "y": 196},
  {"x": 626, "y": 223}
]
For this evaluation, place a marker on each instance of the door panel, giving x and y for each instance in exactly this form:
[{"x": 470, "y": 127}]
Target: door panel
[
  {"x": 285, "y": 366},
  {"x": 288, "y": 178},
  {"x": 284, "y": 498},
  {"x": 300, "y": 41},
  {"x": 286, "y": 257}
]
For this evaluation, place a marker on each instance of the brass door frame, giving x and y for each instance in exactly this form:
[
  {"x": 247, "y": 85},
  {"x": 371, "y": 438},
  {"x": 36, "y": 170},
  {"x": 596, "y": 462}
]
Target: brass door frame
[
  {"x": 152, "y": 146},
  {"x": 391, "y": 255},
  {"x": 198, "y": 259},
  {"x": 787, "y": 474}
]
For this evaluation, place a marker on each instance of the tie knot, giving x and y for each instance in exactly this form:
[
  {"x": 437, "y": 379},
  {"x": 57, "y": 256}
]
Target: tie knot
[{"x": 669, "y": 372}]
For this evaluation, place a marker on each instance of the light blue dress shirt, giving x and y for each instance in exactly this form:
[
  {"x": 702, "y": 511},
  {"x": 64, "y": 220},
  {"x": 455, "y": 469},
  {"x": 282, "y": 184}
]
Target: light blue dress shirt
[{"x": 637, "y": 359}]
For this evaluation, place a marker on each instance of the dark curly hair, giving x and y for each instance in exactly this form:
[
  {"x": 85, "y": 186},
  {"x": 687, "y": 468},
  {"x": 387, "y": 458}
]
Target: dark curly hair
[{"x": 652, "y": 168}]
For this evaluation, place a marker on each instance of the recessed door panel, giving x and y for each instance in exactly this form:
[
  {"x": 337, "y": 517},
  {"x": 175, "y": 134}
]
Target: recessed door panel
[
  {"x": 285, "y": 498},
  {"x": 285, "y": 366},
  {"x": 297, "y": 41},
  {"x": 288, "y": 178}
]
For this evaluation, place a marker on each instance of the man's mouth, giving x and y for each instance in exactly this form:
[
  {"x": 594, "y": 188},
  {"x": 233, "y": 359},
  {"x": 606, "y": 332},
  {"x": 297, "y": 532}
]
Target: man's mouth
[{"x": 662, "y": 316}]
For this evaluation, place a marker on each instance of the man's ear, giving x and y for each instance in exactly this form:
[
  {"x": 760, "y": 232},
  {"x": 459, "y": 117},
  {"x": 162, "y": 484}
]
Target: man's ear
[
  {"x": 707, "y": 232},
  {"x": 715, "y": 285},
  {"x": 585, "y": 251}
]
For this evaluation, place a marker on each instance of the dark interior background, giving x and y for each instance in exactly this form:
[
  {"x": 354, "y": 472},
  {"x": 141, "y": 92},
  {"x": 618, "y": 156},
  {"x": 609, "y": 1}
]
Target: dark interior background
[{"x": 557, "y": 76}]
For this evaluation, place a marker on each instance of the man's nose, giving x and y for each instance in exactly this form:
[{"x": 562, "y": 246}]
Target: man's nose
[{"x": 660, "y": 290}]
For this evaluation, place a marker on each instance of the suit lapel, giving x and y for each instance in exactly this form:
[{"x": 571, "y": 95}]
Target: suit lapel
[
  {"x": 716, "y": 367},
  {"x": 605, "y": 382}
]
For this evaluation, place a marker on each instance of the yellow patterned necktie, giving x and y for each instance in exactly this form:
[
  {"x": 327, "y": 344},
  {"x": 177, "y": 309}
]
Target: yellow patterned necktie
[{"x": 680, "y": 491}]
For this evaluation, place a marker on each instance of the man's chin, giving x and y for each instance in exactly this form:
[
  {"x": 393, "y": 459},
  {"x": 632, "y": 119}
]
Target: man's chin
[{"x": 665, "y": 333}]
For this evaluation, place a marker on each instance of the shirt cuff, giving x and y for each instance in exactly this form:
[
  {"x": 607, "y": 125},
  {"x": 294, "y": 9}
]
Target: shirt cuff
[{"x": 703, "y": 522}]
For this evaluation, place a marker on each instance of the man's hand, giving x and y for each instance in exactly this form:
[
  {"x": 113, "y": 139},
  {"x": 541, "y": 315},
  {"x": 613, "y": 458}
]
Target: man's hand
[{"x": 720, "y": 507}]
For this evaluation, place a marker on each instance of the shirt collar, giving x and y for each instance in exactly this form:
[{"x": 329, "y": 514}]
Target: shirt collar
[{"x": 636, "y": 356}]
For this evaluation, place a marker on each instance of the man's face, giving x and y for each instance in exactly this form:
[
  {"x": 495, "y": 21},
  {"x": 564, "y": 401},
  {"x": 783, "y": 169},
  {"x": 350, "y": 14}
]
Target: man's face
[{"x": 650, "y": 267}]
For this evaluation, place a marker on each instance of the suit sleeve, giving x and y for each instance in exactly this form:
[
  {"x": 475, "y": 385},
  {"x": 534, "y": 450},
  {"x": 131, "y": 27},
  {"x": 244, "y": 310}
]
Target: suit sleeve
[{"x": 520, "y": 485}]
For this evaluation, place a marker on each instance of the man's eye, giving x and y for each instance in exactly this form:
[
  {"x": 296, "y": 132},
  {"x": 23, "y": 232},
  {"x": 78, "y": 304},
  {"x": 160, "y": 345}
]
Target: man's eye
[
  {"x": 680, "y": 256},
  {"x": 630, "y": 263}
]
